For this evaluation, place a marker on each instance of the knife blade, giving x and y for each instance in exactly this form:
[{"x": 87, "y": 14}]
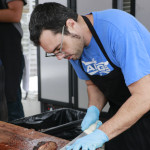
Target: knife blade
[
  {"x": 70, "y": 143},
  {"x": 86, "y": 132}
]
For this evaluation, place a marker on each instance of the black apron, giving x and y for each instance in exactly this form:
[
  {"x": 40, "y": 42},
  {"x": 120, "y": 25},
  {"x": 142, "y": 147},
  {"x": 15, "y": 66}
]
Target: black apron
[{"x": 115, "y": 90}]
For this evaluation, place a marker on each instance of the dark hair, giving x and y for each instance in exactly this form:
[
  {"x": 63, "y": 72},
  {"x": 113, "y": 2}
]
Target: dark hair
[{"x": 51, "y": 16}]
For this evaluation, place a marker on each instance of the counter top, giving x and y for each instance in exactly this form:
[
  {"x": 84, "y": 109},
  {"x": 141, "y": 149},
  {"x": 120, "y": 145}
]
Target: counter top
[{"x": 14, "y": 137}]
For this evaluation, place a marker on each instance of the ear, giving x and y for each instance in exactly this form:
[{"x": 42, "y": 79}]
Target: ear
[{"x": 70, "y": 23}]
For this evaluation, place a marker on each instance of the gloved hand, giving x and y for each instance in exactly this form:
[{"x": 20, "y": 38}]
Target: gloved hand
[
  {"x": 90, "y": 142},
  {"x": 91, "y": 117}
]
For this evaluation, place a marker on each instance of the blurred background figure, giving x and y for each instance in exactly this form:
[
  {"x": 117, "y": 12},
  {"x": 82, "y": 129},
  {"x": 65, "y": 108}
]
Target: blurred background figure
[
  {"x": 11, "y": 54},
  {"x": 3, "y": 103}
]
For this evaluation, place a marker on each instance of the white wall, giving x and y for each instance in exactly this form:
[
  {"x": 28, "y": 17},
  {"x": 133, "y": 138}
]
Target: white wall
[
  {"x": 142, "y": 12},
  {"x": 86, "y": 6}
]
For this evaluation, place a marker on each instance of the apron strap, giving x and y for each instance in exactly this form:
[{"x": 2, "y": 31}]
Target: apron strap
[{"x": 97, "y": 39}]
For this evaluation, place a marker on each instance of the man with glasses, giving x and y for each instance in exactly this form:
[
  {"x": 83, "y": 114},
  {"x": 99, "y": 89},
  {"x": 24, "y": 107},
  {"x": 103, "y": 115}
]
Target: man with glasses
[{"x": 110, "y": 50}]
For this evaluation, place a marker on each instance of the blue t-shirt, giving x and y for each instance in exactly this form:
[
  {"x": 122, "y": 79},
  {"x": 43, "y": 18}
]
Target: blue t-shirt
[{"x": 126, "y": 42}]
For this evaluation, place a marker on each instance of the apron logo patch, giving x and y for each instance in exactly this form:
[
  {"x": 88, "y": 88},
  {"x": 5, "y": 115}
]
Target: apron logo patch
[{"x": 94, "y": 68}]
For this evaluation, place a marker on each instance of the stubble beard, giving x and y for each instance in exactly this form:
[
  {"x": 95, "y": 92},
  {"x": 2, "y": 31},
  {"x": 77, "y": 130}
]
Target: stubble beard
[{"x": 79, "y": 50}]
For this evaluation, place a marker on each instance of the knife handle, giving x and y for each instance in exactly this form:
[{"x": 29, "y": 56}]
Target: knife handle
[{"x": 91, "y": 128}]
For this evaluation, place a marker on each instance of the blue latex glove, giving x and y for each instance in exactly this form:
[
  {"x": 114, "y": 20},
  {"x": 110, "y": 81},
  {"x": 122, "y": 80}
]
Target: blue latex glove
[
  {"x": 91, "y": 117},
  {"x": 90, "y": 142}
]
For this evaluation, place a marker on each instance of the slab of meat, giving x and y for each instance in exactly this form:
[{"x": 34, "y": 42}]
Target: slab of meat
[{"x": 48, "y": 145}]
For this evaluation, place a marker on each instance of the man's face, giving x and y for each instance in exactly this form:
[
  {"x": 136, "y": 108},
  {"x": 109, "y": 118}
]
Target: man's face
[{"x": 72, "y": 44}]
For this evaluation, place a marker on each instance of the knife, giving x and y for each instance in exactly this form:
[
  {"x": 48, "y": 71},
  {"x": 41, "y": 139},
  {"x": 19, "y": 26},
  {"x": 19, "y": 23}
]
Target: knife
[{"x": 86, "y": 132}]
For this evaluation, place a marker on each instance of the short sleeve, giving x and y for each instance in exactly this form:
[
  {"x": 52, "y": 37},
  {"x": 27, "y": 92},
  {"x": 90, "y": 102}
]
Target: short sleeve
[
  {"x": 132, "y": 57},
  {"x": 80, "y": 73},
  {"x": 24, "y": 1}
]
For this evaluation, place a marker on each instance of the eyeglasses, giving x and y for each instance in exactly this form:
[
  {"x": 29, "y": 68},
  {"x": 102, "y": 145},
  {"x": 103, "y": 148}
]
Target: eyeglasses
[{"x": 60, "y": 50}]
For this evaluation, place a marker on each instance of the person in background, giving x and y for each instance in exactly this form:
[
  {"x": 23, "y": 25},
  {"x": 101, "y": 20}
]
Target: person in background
[
  {"x": 110, "y": 50},
  {"x": 11, "y": 54},
  {"x": 3, "y": 103}
]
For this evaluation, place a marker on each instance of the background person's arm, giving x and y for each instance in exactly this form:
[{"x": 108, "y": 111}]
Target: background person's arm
[{"x": 13, "y": 13}]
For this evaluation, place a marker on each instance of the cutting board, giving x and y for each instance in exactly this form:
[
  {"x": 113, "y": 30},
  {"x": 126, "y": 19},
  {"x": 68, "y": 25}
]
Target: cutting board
[{"x": 14, "y": 137}]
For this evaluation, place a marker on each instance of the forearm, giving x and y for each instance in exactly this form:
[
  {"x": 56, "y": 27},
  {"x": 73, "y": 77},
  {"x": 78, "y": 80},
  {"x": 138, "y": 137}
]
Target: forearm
[
  {"x": 95, "y": 96},
  {"x": 127, "y": 115},
  {"x": 131, "y": 111},
  {"x": 7, "y": 15},
  {"x": 13, "y": 13}
]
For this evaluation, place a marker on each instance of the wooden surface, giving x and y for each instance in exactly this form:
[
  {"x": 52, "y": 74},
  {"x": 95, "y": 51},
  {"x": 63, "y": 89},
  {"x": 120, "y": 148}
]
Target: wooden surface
[{"x": 13, "y": 137}]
